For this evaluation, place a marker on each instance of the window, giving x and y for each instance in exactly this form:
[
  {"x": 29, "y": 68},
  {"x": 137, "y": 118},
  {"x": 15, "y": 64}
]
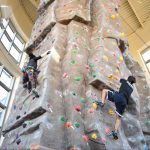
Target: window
[
  {"x": 14, "y": 52},
  {"x": 5, "y": 42},
  {"x": 10, "y": 32},
  {"x": 11, "y": 40},
  {"x": 6, "y": 85},
  {"x": 18, "y": 43},
  {"x": 146, "y": 58},
  {"x": 6, "y": 78}
]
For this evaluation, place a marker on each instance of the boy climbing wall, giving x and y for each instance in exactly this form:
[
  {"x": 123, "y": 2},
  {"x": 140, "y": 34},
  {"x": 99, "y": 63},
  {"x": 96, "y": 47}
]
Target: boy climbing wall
[
  {"x": 120, "y": 99},
  {"x": 30, "y": 72}
]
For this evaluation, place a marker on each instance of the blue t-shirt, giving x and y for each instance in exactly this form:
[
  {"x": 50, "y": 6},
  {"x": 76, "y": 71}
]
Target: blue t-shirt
[{"x": 126, "y": 89}]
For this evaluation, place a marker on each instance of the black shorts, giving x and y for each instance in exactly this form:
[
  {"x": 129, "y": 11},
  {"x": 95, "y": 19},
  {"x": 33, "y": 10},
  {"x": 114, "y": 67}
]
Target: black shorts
[{"x": 119, "y": 100}]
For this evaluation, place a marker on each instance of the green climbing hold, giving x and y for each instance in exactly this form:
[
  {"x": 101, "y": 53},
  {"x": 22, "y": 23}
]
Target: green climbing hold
[
  {"x": 91, "y": 65},
  {"x": 148, "y": 122},
  {"x": 73, "y": 62},
  {"x": 83, "y": 100},
  {"x": 28, "y": 148},
  {"x": 77, "y": 78},
  {"x": 74, "y": 94},
  {"x": 74, "y": 51},
  {"x": 94, "y": 75},
  {"x": 62, "y": 119},
  {"x": 77, "y": 125}
]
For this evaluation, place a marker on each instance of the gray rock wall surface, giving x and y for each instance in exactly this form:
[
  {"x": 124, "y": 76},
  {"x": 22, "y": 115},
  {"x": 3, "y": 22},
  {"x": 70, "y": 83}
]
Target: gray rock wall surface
[{"x": 84, "y": 38}]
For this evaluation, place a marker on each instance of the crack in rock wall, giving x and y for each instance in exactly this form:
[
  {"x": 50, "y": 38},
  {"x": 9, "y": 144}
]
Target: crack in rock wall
[{"x": 84, "y": 38}]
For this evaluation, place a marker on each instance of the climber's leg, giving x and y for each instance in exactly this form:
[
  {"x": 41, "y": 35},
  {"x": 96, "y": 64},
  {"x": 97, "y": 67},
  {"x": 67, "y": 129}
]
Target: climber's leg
[
  {"x": 25, "y": 80},
  {"x": 117, "y": 123},
  {"x": 106, "y": 94}
]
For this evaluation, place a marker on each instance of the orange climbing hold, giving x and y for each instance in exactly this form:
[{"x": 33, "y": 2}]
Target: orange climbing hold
[{"x": 95, "y": 106}]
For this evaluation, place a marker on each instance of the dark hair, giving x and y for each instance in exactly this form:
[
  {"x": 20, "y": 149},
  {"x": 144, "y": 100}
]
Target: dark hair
[
  {"x": 132, "y": 79},
  {"x": 31, "y": 55}
]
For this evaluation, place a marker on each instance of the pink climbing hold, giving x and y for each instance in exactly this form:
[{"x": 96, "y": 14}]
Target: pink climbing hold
[
  {"x": 65, "y": 75},
  {"x": 87, "y": 67},
  {"x": 77, "y": 108},
  {"x": 104, "y": 140},
  {"x": 91, "y": 110},
  {"x": 107, "y": 130}
]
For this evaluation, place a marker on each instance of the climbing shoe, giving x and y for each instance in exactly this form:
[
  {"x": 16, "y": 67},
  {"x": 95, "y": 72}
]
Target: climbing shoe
[
  {"x": 100, "y": 104},
  {"x": 114, "y": 135},
  {"x": 36, "y": 94}
]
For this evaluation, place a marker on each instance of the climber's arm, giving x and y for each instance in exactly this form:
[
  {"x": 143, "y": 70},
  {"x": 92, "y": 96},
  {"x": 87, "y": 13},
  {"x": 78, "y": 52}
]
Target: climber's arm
[
  {"x": 39, "y": 57},
  {"x": 46, "y": 53}
]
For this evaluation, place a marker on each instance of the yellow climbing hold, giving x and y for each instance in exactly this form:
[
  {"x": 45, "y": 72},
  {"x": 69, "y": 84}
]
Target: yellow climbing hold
[
  {"x": 113, "y": 17},
  {"x": 105, "y": 58},
  {"x": 110, "y": 76},
  {"x": 94, "y": 136},
  {"x": 122, "y": 35},
  {"x": 95, "y": 106},
  {"x": 121, "y": 58},
  {"x": 111, "y": 112}
]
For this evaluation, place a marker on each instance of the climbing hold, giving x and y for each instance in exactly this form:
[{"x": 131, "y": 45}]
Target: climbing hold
[
  {"x": 83, "y": 100},
  {"x": 18, "y": 117},
  {"x": 121, "y": 58},
  {"x": 77, "y": 78},
  {"x": 74, "y": 51},
  {"x": 73, "y": 62},
  {"x": 85, "y": 138},
  {"x": 24, "y": 125},
  {"x": 113, "y": 17},
  {"x": 107, "y": 130},
  {"x": 18, "y": 141},
  {"x": 148, "y": 122},
  {"x": 68, "y": 124},
  {"x": 122, "y": 35},
  {"x": 104, "y": 140},
  {"x": 94, "y": 136},
  {"x": 95, "y": 106},
  {"x": 110, "y": 76},
  {"x": 65, "y": 75},
  {"x": 77, "y": 108},
  {"x": 87, "y": 67},
  {"x": 62, "y": 119},
  {"x": 91, "y": 110},
  {"x": 94, "y": 75},
  {"x": 105, "y": 58},
  {"x": 91, "y": 65},
  {"x": 14, "y": 107},
  {"x": 111, "y": 112},
  {"x": 77, "y": 125},
  {"x": 74, "y": 94}
]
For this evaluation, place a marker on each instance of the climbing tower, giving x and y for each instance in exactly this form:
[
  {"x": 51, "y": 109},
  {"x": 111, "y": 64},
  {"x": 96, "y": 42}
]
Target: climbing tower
[{"x": 88, "y": 53}]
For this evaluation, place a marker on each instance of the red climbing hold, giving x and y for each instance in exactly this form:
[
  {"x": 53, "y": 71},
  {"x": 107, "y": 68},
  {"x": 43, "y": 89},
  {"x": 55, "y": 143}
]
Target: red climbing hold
[
  {"x": 77, "y": 108},
  {"x": 85, "y": 138},
  {"x": 68, "y": 124}
]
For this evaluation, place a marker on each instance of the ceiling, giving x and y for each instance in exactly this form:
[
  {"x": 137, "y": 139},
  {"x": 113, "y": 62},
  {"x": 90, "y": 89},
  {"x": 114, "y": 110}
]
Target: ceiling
[{"x": 134, "y": 13}]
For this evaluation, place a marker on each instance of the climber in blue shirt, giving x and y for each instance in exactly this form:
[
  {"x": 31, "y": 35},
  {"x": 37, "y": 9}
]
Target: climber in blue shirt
[{"x": 120, "y": 99}]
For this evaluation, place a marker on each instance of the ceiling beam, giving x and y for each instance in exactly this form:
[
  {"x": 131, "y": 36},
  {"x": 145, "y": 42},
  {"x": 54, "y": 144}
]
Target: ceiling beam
[
  {"x": 135, "y": 12},
  {"x": 35, "y": 3}
]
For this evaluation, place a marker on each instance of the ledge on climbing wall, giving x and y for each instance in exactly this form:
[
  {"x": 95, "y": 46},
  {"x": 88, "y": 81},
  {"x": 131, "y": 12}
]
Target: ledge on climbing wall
[
  {"x": 78, "y": 10},
  {"x": 75, "y": 18},
  {"x": 31, "y": 115},
  {"x": 100, "y": 85}
]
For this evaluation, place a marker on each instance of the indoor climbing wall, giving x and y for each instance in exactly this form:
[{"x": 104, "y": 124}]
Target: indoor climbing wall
[{"x": 84, "y": 39}]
